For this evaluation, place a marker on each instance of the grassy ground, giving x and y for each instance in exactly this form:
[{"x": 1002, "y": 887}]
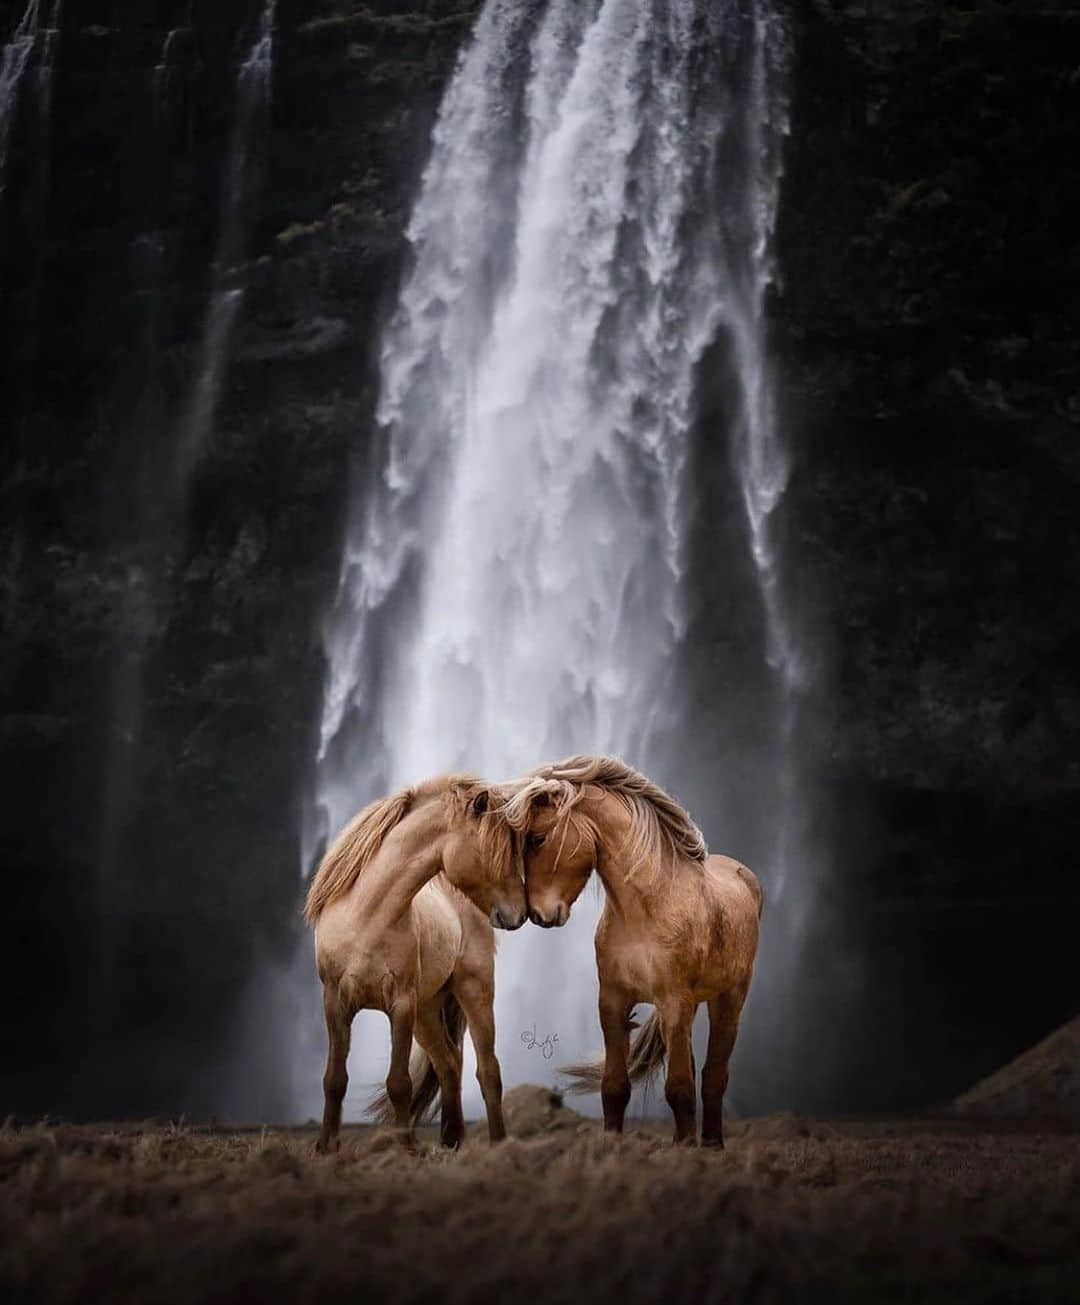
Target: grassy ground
[{"x": 793, "y": 1211}]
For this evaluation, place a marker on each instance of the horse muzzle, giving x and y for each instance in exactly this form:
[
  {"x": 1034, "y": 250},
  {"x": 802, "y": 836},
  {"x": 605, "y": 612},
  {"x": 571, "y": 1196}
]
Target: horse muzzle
[
  {"x": 555, "y": 920},
  {"x": 501, "y": 921}
]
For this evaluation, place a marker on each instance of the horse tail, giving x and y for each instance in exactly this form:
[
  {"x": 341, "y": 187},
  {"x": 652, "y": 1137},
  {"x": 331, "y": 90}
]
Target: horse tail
[
  {"x": 647, "y": 1051},
  {"x": 646, "y": 1059},
  {"x": 425, "y": 1082}
]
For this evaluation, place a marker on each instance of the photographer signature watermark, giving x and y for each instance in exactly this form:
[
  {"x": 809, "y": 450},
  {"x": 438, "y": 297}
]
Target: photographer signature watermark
[{"x": 547, "y": 1045}]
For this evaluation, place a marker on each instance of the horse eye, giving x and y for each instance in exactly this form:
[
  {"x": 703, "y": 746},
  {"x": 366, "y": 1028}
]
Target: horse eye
[{"x": 534, "y": 841}]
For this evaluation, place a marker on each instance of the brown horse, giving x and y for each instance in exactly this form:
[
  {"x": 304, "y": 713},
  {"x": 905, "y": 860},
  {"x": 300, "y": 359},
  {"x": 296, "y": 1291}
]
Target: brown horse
[
  {"x": 403, "y": 906},
  {"x": 679, "y": 927}
]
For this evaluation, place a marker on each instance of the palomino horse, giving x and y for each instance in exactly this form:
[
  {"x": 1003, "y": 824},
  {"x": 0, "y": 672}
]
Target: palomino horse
[
  {"x": 679, "y": 927},
  {"x": 403, "y": 906}
]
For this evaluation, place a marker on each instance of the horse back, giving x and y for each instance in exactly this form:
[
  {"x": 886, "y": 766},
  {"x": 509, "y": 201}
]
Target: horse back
[{"x": 727, "y": 869}]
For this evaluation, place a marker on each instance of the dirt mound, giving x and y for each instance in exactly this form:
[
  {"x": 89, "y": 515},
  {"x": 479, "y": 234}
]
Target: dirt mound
[
  {"x": 530, "y": 1110},
  {"x": 784, "y": 1126},
  {"x": 781, "y": 1127},
  {"x": 1043, "y": 1082}
]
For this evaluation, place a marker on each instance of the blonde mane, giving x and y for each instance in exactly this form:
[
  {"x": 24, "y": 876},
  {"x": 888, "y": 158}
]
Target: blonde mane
[
  {"x": 464, "y": 798},
  {"x": 660, "y": 829}
]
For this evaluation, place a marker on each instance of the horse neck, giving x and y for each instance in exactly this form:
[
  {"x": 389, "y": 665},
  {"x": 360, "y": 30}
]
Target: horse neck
[
  {"x": 407, "y": 860},
  {"x": 628, "y": 897},
  {"x": 646, "y": 893}
]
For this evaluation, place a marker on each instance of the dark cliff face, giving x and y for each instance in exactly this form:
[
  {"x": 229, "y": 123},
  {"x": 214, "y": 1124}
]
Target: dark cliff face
[
  {"x": 161, "y": 667},
  {"x": 930, "y": 264},
  {"x": 925, "y": 336}
]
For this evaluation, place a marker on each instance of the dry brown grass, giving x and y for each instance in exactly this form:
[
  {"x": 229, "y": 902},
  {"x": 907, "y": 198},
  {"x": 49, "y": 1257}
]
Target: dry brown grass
[{"x": 792, "y": 1212}]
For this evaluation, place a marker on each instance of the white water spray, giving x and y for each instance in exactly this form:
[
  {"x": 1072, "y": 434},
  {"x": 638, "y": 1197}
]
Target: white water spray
[{"x": 513, "y": 584}]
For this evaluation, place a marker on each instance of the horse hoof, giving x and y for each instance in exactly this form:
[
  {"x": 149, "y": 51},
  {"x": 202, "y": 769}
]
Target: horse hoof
[{"x": 327, "y": 1145}]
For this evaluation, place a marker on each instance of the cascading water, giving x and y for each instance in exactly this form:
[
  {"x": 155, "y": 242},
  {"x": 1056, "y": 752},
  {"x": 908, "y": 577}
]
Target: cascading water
[
  {"x": 39, "y": 28},
  {"x": 13, "y": 66},
  {"x": 761, "y": 458},
  {"x": 513, "y": 587},
  {"x": 30, "y": 59},
  {"x": 166, "y": 72},
  {"x": 762, "y": 462},
  {"x": 254, "y": 85},
  {"x": 50, "y": 40},
  {"x": 162, "y": 482}
]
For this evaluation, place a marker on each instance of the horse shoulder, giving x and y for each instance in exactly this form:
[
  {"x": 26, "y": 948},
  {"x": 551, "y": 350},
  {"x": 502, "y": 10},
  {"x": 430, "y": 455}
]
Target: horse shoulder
[
  {"x": 335, "y": 939},
  {"x": 476, "y": 958}
]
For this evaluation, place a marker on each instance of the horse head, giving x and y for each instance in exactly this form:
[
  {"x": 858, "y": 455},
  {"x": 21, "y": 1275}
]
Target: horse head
[
  {"x": 560, "y": 846},
  {"x": 482, "y": 855}
]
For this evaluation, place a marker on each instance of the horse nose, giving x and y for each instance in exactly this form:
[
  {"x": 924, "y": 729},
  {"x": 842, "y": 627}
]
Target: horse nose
[{"x": 500, "y": 921}]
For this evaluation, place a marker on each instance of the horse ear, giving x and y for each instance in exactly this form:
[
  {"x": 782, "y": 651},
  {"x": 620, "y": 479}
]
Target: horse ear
[{"x": 479, "y": 804}]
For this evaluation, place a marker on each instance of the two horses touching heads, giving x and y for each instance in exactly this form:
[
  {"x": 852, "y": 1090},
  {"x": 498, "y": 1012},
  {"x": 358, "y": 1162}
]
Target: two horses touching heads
[{"x": 405, "y": 904}]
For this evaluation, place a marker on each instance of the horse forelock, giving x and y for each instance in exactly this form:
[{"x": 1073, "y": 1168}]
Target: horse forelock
[{"x": 562, "y": 797}]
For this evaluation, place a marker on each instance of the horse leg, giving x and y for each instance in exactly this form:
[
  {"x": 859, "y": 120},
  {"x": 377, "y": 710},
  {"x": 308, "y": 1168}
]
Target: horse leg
[
  {"x": 445, "y": 1057},
  {"x": 398, "y": 1080},
  {"x": 615, "y": 1009},
  {"x": 676, "y": 1025},
  {"x": 477, "y": 999},
  {"x": 723, "y": 1026},
  {"x": 336, "y": 1078}
]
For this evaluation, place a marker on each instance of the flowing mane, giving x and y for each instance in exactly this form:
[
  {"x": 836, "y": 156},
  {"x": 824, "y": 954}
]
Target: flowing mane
[
  {"x": 660, "y": 829},
  {"x": 353, "y": 849},
  {"x": 465, "y": 798}
]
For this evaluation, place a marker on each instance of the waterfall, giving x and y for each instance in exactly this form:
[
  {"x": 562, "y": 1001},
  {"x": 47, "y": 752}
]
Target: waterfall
[
  {"x": 254, "y": 84},
  {"x": 26, "y": 100},
  {"x": 163, "y": 483},
  {"x": 761, "y": 458},
  {"x": 597, "y": 209},
  {"x": 13, "y": 65},
  {"x": 165, "y": 71},
  {"x": 50, "y": 40},
  {"x": 28, "y": 36},
  {"x": 161, "y": 472}
]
